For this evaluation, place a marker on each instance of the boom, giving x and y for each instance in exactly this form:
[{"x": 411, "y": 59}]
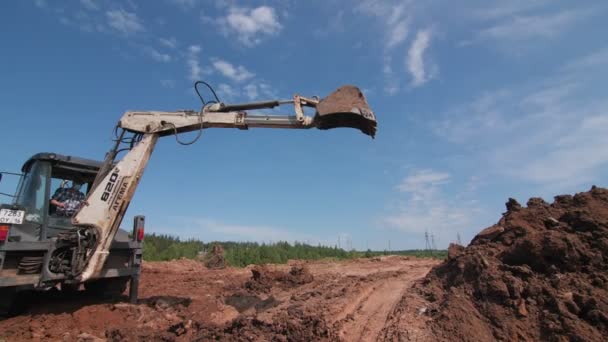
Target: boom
[{"x": 99, "y": 219}]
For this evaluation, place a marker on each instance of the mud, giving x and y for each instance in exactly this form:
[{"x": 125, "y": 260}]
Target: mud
[
  {"x": 182, "y": 300},
  {"x": 539, "y": 274}
]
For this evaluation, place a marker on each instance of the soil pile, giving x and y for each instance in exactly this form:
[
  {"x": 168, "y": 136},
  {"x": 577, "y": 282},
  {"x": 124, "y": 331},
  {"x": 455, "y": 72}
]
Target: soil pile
[
  {"x": 215, "y": 259},
  {"x": 263, "y": 278},
  {"x": 540, "y": 273},
  {"x": 293, "y": 323}
]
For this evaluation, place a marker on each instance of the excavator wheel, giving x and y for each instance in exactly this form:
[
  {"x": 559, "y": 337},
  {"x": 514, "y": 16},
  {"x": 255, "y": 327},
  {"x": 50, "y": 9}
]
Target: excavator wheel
[
  {"x": 107, "y": 287},
  {"x": 70, "y": 288},
  {"x": 7, "y": 301}
]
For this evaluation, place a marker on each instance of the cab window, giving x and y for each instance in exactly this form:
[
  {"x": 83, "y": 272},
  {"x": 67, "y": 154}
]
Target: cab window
[{"x": 32, "y": 191}]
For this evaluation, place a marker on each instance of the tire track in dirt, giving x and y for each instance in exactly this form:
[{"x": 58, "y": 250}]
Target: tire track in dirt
[
  {"x": 364, "y": 318},
  {"x": 182, "y": 300}
]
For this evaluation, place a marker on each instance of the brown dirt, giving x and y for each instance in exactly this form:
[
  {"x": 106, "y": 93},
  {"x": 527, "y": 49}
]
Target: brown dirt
[
  {"x": 539, "y": 274},
  {"x": 342, "y": 100},
  {"x": 263, "y": 278},
  {"x": 182, "y": 300},
  {"x": 215, "y": 259}
]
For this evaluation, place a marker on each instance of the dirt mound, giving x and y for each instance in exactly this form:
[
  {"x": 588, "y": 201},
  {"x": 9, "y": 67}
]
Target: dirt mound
[
  {"x": 540, "y": 273},
  {"x": 291, "y": 324},
  {"x": 264, "y": 278},
  {"x": 215, "y": 259}
]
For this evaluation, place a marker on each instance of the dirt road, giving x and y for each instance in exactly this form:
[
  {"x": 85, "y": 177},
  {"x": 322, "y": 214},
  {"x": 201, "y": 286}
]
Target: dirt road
[{"x": 182, "y": 300}]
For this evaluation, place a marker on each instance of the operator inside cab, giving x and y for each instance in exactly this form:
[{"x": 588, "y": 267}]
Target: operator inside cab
[{"x": 67, "y": 201}]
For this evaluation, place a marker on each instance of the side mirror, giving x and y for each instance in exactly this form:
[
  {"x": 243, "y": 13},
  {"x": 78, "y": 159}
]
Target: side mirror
[{"x": 345, "y": 107}]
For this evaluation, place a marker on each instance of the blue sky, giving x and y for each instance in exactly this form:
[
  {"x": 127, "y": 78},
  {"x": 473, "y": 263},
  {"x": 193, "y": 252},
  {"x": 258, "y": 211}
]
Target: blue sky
[{"x": 476, "y": 101}]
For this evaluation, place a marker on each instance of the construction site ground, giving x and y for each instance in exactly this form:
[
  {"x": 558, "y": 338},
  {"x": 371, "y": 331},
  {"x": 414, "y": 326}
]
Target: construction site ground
[
  {"x": 183, "y": 300},
  {"x": 539, "y": 274}
]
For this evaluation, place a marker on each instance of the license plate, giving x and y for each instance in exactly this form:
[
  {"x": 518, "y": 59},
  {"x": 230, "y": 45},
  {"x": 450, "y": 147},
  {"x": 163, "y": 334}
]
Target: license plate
[{"x": 11, "y": 216}]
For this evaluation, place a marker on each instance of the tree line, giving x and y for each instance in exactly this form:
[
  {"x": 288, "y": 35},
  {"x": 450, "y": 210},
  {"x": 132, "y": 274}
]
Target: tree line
[{"x": 161, "y": 247}]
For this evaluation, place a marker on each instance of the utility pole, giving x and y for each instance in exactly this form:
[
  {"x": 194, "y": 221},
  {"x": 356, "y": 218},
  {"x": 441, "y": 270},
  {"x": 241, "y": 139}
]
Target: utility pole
[
  {"x": 433, "y": 247},
  {"x": 427, "y": 245}
]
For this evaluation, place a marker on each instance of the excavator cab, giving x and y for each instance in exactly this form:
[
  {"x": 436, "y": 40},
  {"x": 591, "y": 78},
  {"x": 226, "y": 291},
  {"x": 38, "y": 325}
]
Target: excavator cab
[
  {"x": 345, "y": 107},
  {"x": 32, "y": 257}
]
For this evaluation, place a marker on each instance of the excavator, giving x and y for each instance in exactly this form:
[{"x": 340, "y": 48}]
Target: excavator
[{"x": 40, "y": 251}]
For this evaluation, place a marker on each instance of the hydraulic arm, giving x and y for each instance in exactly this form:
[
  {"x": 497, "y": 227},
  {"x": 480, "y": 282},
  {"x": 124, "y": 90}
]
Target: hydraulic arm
[{"x": 99, "y": 219}]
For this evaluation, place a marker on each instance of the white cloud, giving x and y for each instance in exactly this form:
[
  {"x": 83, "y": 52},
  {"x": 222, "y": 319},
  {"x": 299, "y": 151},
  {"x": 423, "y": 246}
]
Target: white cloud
[
  {"x": 254, "y": 90},
  {"x": 226, "y": 91},
  {"x": 239, "y": 232},
  {"x": 506, "y": 8},
  {"x": 250, "y": 25},
  {"x": 594, "y": 60},
  {"x": 574, "y": 157},
  {"x": 159, "y": 56},
  {"x": 527, "y": 27},
  {"x": 423, "y": 184},
  {"x": 397, "y": 34},
  {"x": 267, "y": 90},
  {"x": 90, "y": 5},
  {"x": 194, "y": 49},
  {"x": 415, "y": 58},
  {"x": 395, "y": 19},
  {"x": 441, "y": 218},
  {"x": 251, "y": 90},
  {"x": 427, "y": 208},
  {"x": 548, "y": 132},
  {"x": 124, "y": 22},
  {"x": 235, "y": 73},
  {"x": 397, "y": 26},
  {"x": 195, "y": 70},
  {"x": 170, "y": 43}
]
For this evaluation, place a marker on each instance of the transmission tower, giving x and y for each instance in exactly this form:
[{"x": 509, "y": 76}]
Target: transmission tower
[
  {"x": 458, "y": 240},
  {"x": 427, "y": 245},
  {"x": 433, "y": 246}
]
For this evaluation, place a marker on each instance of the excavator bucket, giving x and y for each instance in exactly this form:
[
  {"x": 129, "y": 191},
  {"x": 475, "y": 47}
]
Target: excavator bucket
[{"x": 345, "y": 107}]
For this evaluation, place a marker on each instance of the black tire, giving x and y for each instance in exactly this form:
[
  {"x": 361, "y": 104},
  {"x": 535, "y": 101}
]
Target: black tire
[
  {"x": 107, "y": 287},
  {"x": 7, "y": 301},
  {"x": 70, "y": 288}
]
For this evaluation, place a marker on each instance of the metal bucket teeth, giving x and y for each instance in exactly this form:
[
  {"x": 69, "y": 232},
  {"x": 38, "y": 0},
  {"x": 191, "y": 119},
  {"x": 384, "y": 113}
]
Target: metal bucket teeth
[{"x": 346, "y": 107}]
